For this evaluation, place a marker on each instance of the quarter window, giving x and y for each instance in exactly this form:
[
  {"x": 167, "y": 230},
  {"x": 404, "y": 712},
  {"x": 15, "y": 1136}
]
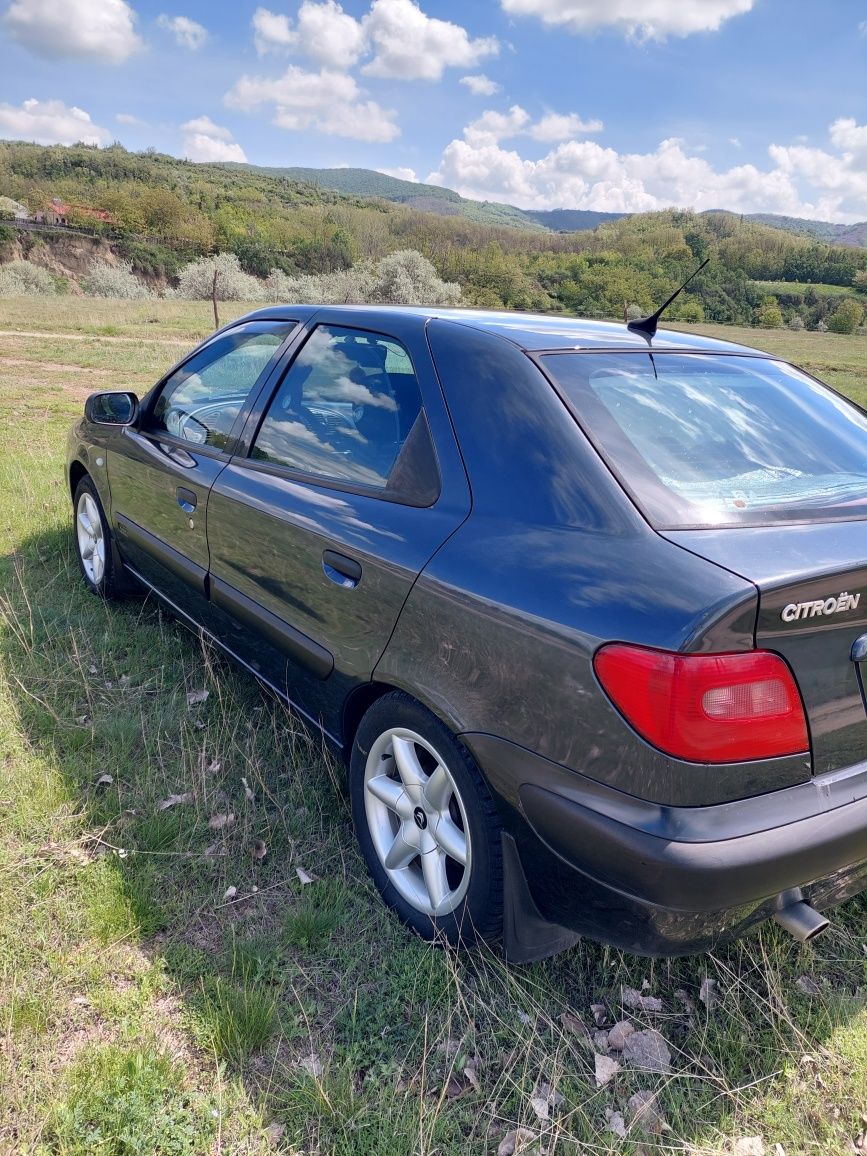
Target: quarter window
[
  {"x": 350, "y": 410},
  {"x": 202, "y": 399}
]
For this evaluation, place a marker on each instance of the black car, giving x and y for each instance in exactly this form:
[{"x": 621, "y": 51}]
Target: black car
[{"x": 582, "y": 612}]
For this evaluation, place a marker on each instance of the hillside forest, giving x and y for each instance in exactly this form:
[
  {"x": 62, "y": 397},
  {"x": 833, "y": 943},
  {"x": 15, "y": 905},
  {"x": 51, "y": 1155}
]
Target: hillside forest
[{"x": 159, "y": 214}]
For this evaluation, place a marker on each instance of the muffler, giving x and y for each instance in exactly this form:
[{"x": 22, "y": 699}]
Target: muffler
[{"x": 802, "y": 921}]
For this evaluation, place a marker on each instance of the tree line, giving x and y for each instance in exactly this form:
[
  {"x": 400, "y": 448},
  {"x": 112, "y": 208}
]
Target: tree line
[{"x": 166, "y": 212}]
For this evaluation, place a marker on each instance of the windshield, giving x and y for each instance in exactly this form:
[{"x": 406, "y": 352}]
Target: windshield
[{"x": 714, "y": 440}]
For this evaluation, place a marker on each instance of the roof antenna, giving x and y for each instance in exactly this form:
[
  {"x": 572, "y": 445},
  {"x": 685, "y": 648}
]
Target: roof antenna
[{"x": 646, "y": 326}]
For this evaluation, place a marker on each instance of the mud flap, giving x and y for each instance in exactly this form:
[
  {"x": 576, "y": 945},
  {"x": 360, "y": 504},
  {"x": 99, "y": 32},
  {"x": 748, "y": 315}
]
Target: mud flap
[{"x": 527, "y": 935}]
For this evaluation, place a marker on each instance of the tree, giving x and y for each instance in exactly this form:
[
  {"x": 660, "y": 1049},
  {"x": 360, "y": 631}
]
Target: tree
[
  {"x": 770, "y": 316},
  {"x": 847, "y": 317}
]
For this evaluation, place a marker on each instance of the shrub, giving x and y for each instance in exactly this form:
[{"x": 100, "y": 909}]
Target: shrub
[
  {"x": 105, "y": 280},
  {"x": 796, "y": 323},
  {"x": 403, "y": 278},
  {"x": 770, "y": 316},
  {"x": 821, "y": 327},
  {"x": 24, "y": 279},
  {"x": 347, "y": 287},
  {"x": 196, "y": 280},
  {"x": 408, "y": 278},
  {"x": 847, "y": 317}
]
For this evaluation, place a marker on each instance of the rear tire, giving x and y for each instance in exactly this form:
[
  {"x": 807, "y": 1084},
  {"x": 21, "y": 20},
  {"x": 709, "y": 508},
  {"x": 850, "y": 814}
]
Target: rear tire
[
  {"x": 426, "y": 823},
  {"x": 93, "y": 544}
]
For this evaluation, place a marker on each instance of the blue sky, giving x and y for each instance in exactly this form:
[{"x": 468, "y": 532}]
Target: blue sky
[{"x": 749, "y": 105}]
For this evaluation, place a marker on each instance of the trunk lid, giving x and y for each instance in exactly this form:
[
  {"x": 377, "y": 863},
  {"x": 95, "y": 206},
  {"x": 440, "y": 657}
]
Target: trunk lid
[{"x": 812, "y": 583}]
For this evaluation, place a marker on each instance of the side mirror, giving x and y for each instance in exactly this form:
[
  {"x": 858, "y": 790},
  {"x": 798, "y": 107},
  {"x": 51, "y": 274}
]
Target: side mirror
[{"x": 111, "y": 408}]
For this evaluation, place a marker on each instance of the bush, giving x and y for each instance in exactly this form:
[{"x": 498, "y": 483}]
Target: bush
[
  {"x": 403, "y": 278},
  {"x": 196, "y": 280},
  {"x": 847, "y": 317},
  {"x": 105, "y": 280},
  {"x": 796, "y": 323},
  {"x": 770, "y": 316},
  {"x": 347, "y": 287},
  {"x": 24, "y": 279},
  {"x": 408, "y": 278}
]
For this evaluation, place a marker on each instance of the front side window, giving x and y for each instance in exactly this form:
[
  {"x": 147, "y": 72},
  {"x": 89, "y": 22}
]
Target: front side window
[
  {"x": 714, "y": 440},
  {"x": 202, "y": 399},
  {"x": 350, "y": 410}
]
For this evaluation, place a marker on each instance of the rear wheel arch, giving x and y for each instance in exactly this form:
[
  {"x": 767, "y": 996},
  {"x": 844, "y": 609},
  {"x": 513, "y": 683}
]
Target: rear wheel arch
[{"x": 360, "y": 700}]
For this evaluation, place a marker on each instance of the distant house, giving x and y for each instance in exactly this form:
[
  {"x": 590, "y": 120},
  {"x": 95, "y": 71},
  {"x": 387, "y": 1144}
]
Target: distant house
[
  {"x": 55, "y": 214},
  {"x": 13, "y": 210},
  {"x": 58, "y": 213}
]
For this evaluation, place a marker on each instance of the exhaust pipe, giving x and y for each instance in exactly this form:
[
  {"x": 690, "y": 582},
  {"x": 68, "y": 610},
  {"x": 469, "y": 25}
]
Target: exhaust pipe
[{"x": 801, "y": 920}]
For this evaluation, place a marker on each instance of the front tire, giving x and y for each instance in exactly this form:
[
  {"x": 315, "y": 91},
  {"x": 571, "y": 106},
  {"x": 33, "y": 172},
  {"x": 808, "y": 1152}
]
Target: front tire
[
  {"x": 93, "y": 545},
  {"x": 426, "y": 823}
]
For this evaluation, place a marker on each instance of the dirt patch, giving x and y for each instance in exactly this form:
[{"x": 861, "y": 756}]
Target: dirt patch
[{"x": 187, "y": 344}]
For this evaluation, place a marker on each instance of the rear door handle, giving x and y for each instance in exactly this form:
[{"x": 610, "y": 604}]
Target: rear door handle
[
  {"x": 341, "y": 570},
  {"x": 187, "y": 500}
]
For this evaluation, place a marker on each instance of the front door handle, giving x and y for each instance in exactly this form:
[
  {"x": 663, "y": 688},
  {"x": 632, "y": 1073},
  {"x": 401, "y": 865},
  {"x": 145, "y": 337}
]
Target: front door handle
[
  {"x": 341, "y": 570},
  {"x": 187, "y": 500}
]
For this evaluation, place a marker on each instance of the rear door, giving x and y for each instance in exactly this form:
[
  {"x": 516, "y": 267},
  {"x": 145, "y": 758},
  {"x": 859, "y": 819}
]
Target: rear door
[
  {"x": 162, "y": 471},
  {"x": 350, "y": 481}
]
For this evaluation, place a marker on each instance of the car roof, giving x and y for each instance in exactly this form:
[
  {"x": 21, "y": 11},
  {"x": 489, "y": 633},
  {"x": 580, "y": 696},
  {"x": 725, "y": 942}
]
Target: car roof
[{"x": 530, "y": 331}]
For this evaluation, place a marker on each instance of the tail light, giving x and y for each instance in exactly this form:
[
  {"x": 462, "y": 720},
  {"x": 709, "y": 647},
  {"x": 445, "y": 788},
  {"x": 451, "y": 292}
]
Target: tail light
[{"x": 706, "y": 708}]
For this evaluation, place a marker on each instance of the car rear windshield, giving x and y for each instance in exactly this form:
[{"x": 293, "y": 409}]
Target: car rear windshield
[{"x": 713, "y": 440}]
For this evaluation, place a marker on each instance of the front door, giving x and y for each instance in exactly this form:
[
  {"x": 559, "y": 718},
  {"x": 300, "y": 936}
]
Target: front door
[
  {"x": 162, "y": 472},
  {"x": 351, "y": 483}
]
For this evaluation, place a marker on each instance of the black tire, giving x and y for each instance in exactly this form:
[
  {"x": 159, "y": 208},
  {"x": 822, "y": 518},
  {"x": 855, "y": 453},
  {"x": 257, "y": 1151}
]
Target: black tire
[
  {"x": 478, "y": 913},
  {"x": 110, "y": 583}
]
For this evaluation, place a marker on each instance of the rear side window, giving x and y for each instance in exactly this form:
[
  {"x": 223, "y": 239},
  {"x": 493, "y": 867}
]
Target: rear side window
[
  {"x": 704, "y": 440},
  {"x": 202, "y": 399},
  {"x": 349, "y": 410}
]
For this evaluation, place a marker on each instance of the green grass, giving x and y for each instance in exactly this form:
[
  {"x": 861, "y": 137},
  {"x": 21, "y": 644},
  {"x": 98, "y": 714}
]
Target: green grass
[
  {"x": 143, "y": 1012},
  {"x": 805, "y": 287}
]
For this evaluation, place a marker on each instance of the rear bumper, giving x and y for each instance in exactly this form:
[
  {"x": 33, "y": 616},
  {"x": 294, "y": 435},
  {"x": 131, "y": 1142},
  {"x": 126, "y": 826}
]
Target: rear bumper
[{"x": 664, "y": 880}]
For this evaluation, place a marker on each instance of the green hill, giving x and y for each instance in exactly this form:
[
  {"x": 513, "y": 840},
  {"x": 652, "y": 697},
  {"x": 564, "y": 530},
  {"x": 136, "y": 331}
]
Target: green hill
[
  {"x": 425, "y": 198},
  {"x": 159, "y": 212}
]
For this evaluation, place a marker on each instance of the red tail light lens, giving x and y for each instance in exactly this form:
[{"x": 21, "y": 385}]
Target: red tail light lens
[{"x": 706, "y": 708}]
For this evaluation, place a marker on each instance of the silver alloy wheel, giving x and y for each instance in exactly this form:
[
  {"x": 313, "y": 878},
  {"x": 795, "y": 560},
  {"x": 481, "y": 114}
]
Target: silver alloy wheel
[
  {"x": 417, "y": 822},
  {"x": 91, "y": 543}
]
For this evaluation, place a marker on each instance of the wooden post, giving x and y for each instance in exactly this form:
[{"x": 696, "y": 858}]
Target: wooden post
[{"x": 214, "y": 299}]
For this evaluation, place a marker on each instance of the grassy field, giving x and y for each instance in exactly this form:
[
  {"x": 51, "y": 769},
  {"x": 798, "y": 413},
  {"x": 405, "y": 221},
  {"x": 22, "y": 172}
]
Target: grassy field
[
  {"x": 147, "y": 1009},
  {"x": 804, "y": 287}
]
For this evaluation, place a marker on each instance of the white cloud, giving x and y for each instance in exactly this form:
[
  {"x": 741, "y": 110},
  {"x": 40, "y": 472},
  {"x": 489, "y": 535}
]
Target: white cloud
[
  {"x": 481, "y": 85},
  {"x": 324, "y": 32},
  {"x": 50, "y": 122},
  {"x": 404, "y": 42},
  {"x": 401, "y": 173},
  {"x": 735, "y": 142},
  {"x": 492, "y": 127},
  {"x": 639, "y": 19},
  {"x": 582, "y": 174},
  {"x": 272, "y": 31},
  {"x": 206, "y": 141},
  {"x": 102, "y": 29},
  {"x": 330, "y": 102},
  {"x": 188, "y": 33},
  {"x": 553, "y": 127},
  {"x": 851, "y": 138},
  {"x": 128, "y": 118},
  {"x": 408, "y": 45}
]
